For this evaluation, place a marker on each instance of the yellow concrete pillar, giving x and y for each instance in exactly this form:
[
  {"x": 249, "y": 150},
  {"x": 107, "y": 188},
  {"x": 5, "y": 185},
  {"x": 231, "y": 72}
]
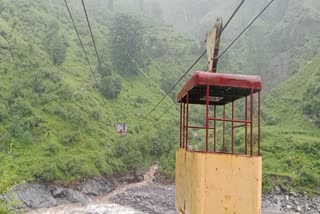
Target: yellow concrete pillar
[{"x": 211, "y": 183}]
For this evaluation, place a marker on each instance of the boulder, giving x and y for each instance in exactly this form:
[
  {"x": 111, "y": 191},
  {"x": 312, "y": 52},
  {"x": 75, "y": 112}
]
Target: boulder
[
  {"x": 58, "y": 192},
  {"x": 31, "y": 195},
  {"x": 139, "y": 173},
  {"x": 278, "y": 190},
  {"x": 95, "y": 187}
]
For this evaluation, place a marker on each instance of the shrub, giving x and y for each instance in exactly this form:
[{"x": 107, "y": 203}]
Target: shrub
[
  {"x": 38, "y": 85},
  {"x": 77, "y": 168},
  {"x": 96, "y": 115},
  {"x": 141, "y": 100},
  {"x": 104, "y": 70},
  {"x": 8, "y": 177},
  {"x": 312, "y": 102},
  {"x": 167, "y": 164},
  {"x": 21, "y": 107},
  {"x": 77, "y": 119},
  {"x": 70, "y": 139},
  {"x": 61, "y": 112},
  {"x": 47, "y": 172},
  {"x": 266, "y": 184},
  {"x": 128, "y": 151},
  {"x": 16, "y": 127},
  {"x": 51, "y": 149},
  {"x": 17, "y": 90},
  {"x": 3, "y": 112},
  {"x": 110, "y": 87},
  {"x": 56, "y": 49},
  {"x": 308, "y": 178},
  {"x": 4, "y": 207},
  {"x": 65, "y": 93}
]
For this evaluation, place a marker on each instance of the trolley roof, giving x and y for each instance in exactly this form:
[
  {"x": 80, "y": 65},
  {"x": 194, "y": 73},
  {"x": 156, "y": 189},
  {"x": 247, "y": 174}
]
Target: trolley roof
[{"x": 224, "y": 88}]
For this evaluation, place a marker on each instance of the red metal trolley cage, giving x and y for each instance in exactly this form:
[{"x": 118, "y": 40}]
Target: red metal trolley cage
[{"x": 215, "y": 89}]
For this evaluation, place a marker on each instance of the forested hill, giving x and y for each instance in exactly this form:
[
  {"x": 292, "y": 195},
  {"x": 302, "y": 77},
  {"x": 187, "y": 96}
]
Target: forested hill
[
  {"x": 56, "y": 121},
  {"x": 57, "y": 115},
  {"x": 280, "y": 42},
  {"x": 291, "y": 144}
]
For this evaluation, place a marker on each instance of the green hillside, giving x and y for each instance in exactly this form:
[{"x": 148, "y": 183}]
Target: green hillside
[
  {"x": 55, "y": 124},
  {"x": 291, "y": 137}
]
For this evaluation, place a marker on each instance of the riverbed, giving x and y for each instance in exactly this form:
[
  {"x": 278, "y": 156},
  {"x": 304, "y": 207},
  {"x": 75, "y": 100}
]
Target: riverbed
[{"x": 149, "y": 197}]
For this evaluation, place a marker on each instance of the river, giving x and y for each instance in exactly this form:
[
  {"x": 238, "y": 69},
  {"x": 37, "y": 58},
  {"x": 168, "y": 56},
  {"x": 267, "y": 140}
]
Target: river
[{"x": 147, "y": 197}]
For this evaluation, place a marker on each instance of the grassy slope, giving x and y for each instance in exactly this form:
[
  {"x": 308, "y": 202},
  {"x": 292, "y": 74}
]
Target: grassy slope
[
  {"x": 74, "y": 135},
  {"x": 291, "y": 146}
]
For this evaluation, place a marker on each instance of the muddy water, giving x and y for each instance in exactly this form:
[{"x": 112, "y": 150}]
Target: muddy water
[{"x": 107, "y": 208}]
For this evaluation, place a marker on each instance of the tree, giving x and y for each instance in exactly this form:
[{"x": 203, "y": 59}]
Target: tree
[
  {"x": 110, "y": 86},
  {"x": 56, "y": 50},
  {"x": 104, "y": 70},
  {"x": 312, "y": 102},
  {"x": 54, "y": 44},
  {"x": 168, "y": 79},
  {"x": 127, "y": 39}
]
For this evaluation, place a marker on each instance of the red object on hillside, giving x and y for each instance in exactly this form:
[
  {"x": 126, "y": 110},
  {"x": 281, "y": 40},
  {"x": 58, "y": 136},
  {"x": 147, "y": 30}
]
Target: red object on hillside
[{"x": 121, "y": 128}]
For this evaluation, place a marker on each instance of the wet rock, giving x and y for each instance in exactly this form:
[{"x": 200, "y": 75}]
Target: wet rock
[
  {"x": 266, "y": 203},
  {"x": 58, "y": 192},
  {"x": 278, "y": 204},
  {"x": 278, "y": 190},
  {"x": 139, "y": 175},
  {"x": 95, "y": 187},
  {"x": 128, "y": 178},
  {"x": 76, "y": 197}
]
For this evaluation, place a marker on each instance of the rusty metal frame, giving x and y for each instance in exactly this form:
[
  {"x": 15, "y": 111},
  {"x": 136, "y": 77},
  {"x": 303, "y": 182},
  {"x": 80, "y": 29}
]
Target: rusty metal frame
[{"x": 235, "y": 123}]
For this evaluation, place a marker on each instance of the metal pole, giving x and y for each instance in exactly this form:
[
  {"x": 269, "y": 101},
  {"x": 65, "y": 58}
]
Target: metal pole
[
  {"x": 230, "y": 120},
  {"x": 187, "y": 118},
  {"x": 207, "y": 116},
  {"x": 232, "y": 138},
  {"x": 246, "y": 128},
  {"x": 183, "y": 122},
  {"x": 259, "y": 137},
  {"x": 215, "y": 127},
  {"x": 251, "y": 124},
  {"x": 224, "y": 127}
]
